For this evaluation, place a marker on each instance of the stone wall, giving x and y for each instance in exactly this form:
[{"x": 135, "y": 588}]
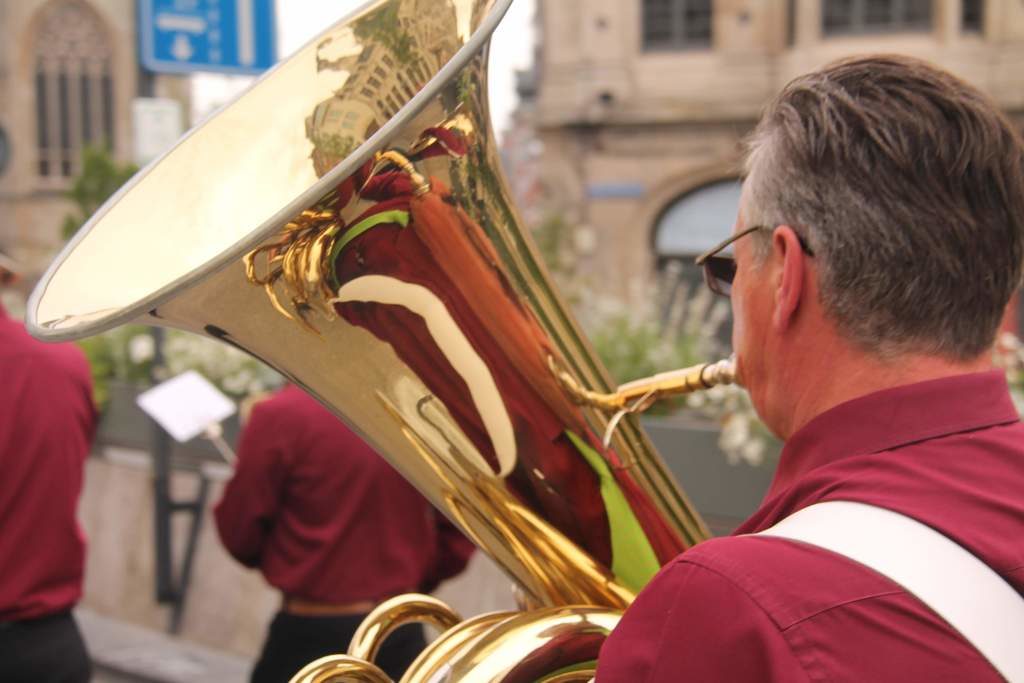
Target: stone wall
[{"x": 228, "y": 606}]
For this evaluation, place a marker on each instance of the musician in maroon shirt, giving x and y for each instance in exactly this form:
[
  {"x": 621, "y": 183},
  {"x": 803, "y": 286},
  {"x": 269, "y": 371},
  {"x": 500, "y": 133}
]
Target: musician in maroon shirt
[
  {"x": 878, "y": 242},
  {"x": 332, "y": 526},
  {"x": 47, "y": 422}
]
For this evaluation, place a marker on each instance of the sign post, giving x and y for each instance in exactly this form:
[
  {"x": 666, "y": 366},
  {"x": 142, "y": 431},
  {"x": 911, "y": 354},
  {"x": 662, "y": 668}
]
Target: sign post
[
  {"x": 157, "y": 123},
  {"x": 185, "y": 407},
  {"x": 227, "y": 36}
]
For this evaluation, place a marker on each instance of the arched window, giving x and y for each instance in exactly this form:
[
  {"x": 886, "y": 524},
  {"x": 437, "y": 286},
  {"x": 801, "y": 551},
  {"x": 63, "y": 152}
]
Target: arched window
[
  {"x": 692, "y": 224},
  {"x": 698, "y": 220},
  {"x": 73, "y": 85}
]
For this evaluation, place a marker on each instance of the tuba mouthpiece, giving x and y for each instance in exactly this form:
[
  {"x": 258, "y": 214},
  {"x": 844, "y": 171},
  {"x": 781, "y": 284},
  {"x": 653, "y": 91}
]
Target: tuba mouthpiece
[{"x": 722, "y": 372}]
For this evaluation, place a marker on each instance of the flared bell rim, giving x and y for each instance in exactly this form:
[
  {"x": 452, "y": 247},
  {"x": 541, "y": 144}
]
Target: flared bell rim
[{"x": 102, "y": 321}]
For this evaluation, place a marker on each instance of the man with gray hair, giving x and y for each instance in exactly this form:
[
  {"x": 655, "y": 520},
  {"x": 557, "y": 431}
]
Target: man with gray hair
[{"x": 879, "y": 240}]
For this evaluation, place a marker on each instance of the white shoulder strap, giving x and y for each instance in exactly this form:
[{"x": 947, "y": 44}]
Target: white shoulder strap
[{"x": 955, "y": 584}]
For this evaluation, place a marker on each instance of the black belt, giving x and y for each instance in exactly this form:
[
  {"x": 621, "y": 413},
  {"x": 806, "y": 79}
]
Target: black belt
[{"x": 9, "y": 625}]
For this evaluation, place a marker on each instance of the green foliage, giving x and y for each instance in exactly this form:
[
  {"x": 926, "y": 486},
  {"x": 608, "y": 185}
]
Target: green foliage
[
  {"x": 383, "y": 27},
  {"x": 552, "y": 240},
  {"x": 553, "y": 237},
  {"x": 126, "y": 354},
  {"x": 110, "y": 358},
  {"x": 101, "y": 177},
  {"x": 334, "y": 145}
]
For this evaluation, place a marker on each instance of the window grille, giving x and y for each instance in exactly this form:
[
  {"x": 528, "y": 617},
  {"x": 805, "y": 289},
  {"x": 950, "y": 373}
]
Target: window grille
[
  {"x": 676, "y": 24},
  {"x": 873, "y": 16},
  {"x": 74, "y": 88}
]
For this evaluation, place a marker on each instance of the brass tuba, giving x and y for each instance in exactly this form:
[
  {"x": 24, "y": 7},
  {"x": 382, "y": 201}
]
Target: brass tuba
[{"x": 345, "y": 221}]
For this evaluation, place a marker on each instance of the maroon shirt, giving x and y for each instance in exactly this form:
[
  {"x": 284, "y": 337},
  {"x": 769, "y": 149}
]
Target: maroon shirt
[
  {"x": 324, "y": 517},
  {"x": 949, "y": 453},
  {"x": 47, "y": 421}
]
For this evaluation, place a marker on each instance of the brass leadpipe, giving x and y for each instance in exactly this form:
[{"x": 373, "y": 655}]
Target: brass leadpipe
[{"x": 639, "y": 395}]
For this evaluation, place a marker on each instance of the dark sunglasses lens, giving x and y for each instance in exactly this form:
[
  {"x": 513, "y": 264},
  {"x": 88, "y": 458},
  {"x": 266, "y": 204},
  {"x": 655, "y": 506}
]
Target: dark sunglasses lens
[{"x": 719, "y": 272}]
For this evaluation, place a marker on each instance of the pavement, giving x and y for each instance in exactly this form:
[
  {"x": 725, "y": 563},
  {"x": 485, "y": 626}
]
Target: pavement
[{"x": 124, "y": 653}]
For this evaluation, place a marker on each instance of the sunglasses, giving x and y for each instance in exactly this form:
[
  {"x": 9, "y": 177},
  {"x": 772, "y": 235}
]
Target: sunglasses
[{"x": 720, "y": 269}]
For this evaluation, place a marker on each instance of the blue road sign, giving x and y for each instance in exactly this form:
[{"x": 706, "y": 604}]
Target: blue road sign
[{"x": 231, "y": 36}]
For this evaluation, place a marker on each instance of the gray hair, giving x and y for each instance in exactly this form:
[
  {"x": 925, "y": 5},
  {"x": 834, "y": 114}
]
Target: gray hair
[{"x": 908, "y": 184}]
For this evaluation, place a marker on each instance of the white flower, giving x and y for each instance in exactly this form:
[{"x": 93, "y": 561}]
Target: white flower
[
  {"x": 233, "y": 371},
  {"x": 735, "y": 432},
  {"x": 141, "y": 349},
  {"x": 753, "y": 452}
]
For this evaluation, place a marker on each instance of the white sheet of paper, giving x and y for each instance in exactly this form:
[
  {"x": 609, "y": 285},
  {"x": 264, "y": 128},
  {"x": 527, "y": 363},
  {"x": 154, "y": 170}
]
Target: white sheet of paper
[{"x": 186, "y": 405}]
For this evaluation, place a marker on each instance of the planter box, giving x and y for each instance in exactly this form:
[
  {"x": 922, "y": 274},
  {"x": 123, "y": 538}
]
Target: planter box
[{"x": 724, "y": 494}]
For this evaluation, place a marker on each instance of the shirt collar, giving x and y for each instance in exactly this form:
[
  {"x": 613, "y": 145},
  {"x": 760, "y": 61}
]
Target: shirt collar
[{"x": 895, "y": 417}]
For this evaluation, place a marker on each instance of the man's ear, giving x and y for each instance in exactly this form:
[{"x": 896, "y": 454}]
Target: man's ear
[{"x": 789, "y": 283}]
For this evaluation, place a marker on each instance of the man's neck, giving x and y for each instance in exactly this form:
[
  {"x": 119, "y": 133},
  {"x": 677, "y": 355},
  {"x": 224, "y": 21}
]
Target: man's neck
[{"x": 846, "y": 374}]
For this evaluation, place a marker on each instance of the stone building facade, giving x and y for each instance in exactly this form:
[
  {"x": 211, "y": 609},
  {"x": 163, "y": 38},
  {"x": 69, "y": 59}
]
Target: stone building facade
[
  {"x": 641, "y": 107},
  {"x": 68, "y": 75},
  {"x": 67, "y": 78}
]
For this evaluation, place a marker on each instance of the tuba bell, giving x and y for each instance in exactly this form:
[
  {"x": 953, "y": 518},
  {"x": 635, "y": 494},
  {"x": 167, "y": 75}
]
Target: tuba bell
[{"x": 345, "y": 221}]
